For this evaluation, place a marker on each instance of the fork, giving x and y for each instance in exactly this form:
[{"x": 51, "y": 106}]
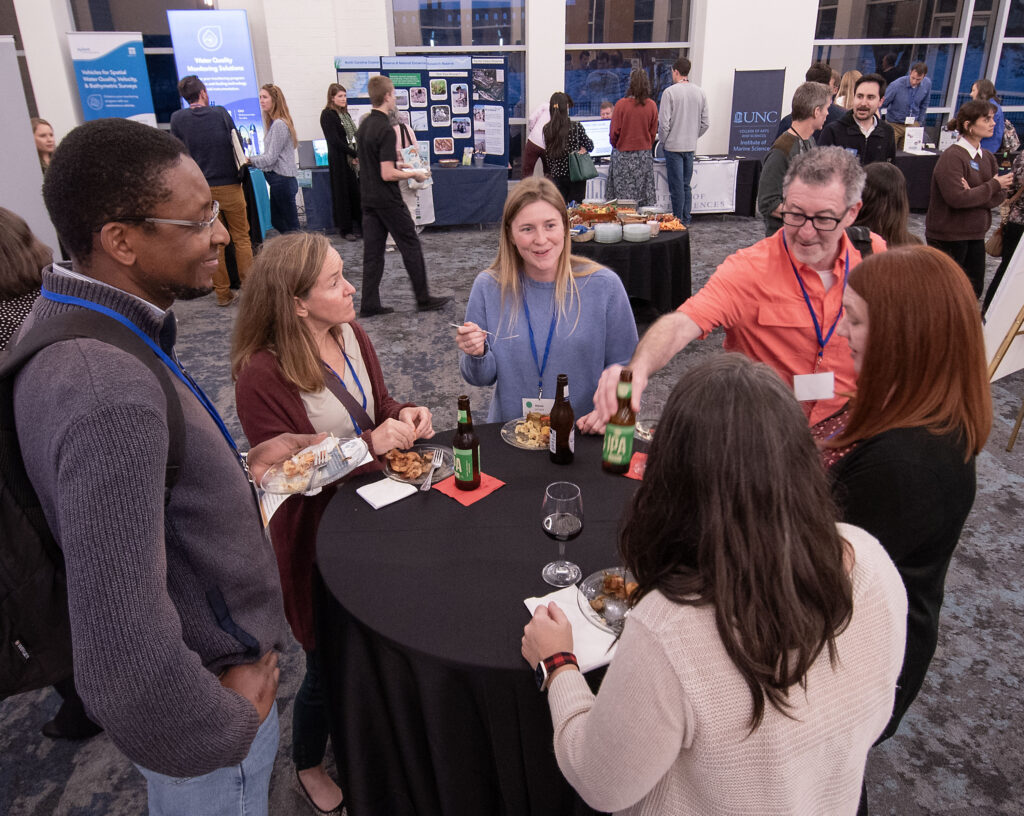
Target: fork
[{"x": 435, "y": 463}]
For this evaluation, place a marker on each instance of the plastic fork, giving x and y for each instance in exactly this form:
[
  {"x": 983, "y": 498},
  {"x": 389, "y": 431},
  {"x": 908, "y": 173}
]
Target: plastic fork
[{"x": 435, "y": 463}]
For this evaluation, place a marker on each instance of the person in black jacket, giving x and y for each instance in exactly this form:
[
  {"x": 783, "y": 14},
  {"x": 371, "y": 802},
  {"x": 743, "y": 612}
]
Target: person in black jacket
[
  {"x": 343, "y": 160},
  {"x": 862, "y": 130},
  {"x": 901, "y": 454}
]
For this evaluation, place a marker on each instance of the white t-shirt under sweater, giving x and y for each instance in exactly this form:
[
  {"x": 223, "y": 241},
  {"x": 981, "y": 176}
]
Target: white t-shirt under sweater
[
  {"x": 668, "y": 733},
  {"x": 325, "y": 411}
]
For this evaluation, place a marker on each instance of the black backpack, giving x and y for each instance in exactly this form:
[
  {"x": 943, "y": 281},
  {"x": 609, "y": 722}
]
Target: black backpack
[
  {"x": 860, "y": 237},
  {"x": 35, "y": 632}
]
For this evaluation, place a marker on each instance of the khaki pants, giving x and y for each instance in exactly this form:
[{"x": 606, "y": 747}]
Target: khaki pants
[
  {"x": 900, "y": 132},
  {"x": 232, "y": 210}
]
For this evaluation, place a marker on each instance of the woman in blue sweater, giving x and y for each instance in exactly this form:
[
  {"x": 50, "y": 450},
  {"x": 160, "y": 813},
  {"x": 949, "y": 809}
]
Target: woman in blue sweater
[
  {"x": 538, "y": 312},
  {"x": 985, "y": 91}
]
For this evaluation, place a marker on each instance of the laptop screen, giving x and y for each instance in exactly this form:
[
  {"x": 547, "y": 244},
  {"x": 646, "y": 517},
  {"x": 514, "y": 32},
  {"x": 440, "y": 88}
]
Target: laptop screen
[{"x": 598, "y": 131}]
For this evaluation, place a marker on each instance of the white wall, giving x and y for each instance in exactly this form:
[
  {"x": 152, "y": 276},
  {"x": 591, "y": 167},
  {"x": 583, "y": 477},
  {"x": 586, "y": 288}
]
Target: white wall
[
  {"x": 545, "y": 52},
  {"x": 746, "y": 35},
  {"x": 44, "y": 25}
]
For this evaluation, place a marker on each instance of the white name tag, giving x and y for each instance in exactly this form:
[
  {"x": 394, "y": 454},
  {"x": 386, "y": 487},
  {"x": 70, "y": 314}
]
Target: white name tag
[
  {"x": 536, "y": 405},
  {"x": 814, "y": 386},
  {"x": 909, "y": 120}
]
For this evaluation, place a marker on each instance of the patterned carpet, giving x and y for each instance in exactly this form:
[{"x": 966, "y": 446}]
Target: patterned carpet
[{"x": 959, "y": 750}]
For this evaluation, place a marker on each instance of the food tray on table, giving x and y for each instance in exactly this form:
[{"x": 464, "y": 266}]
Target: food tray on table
[
  {"x": 302, "y": 474},
  {"x": 402, "y": 466}
]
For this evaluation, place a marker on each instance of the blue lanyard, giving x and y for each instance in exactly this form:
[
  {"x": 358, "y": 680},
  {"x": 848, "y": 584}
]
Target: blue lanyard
[
  {"x": 359, "y": 385},
  {"x": 822, "y": 341},
  {"x": 533, "y": 345},
  {"x": 173, "y": 365}
]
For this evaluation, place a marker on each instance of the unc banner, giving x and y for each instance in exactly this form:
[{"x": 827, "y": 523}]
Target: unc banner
[
  {"x": 756, "y": 110},
  {"x": 215, "y": 46},
  {"x": 110, "y": 69}
]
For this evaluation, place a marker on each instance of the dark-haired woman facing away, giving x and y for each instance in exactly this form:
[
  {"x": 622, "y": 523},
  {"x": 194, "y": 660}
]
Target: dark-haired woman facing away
[
  {"x": 902, "y": 454},
  {"x": 759, "y": 660},
  {"x": 562, "y": 136},
  {"x": 633, "y": 131},
  {"x": 884, "y": 204},
  {"x": 343, "y": 158}
]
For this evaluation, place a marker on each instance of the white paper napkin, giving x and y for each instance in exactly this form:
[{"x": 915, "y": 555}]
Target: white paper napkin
[
  {"x": 381, "y": 494},
  {"x": 589, "y": 644}
]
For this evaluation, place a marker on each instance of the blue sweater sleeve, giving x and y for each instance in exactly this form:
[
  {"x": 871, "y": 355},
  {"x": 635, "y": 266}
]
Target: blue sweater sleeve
[{"x": 481, "y": 370}]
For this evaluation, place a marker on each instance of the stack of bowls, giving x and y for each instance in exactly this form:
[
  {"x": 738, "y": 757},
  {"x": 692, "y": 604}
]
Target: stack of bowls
[
  {"x": 609, "y": 233},
  {"x": 635, "y": 232}
]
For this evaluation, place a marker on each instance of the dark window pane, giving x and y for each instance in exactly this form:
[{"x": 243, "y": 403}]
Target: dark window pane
[
  {"x": 9, "y": 22},
  {"x": 1010, "y": 79},
  {"x": 594, "y": 76},
  {"x": 636, "y": 21},
  {"x": 857, "y": 19},
  {"x": 868, "y": 59},
  {"x": 444, "y": 23},
  {"x": 974, "y": 62},
  {"x": 149, "y": 17},
  {"x": 826, "y": 28},
  {"x": 163, "y": 84},
  {"x": 1015, "y": 19}
]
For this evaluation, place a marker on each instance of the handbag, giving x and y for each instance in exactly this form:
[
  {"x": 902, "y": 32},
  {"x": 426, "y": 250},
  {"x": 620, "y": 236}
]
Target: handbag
[
  {"x": 236, "y": 148},
  {"x": 994, "y": 245},
  {"x": 1011, "y": 141},
  {"x": 581, "y": 167}
]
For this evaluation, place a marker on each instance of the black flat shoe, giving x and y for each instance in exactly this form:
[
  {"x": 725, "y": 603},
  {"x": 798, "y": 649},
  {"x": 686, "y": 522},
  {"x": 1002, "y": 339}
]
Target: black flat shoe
[
  {"x": 382, "y": 310},
  {"x": 66, "y": 728},
  {"x": 338, "y": 811},
  {"x": 432, "y": 304}
]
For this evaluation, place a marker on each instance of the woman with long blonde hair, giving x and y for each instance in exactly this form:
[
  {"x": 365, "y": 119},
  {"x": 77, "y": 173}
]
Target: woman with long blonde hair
[
  {"x": 540, "y": 311},
  {"x": 277, "y": 161},
  {"x": 295, "y": 349},
  {"x": 845, "y": 95}
]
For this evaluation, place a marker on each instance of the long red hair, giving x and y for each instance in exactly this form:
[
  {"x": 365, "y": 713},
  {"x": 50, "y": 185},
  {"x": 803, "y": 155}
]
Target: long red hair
[{"x": 924, "y": 365}]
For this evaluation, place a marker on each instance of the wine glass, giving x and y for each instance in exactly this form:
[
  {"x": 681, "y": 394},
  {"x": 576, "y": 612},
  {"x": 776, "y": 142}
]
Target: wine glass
[{"x": 561, "y": 515}]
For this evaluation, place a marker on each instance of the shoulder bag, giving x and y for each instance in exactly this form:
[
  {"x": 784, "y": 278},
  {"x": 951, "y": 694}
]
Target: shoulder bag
[
  {"x": 994, "y": 245},
  {"x": 581, "y": 167}
]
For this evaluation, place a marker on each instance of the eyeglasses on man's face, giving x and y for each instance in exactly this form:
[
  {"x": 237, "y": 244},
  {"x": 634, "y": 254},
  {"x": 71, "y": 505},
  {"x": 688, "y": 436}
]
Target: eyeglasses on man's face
[
  {"x": 822, "y": 223},
  {"x": 149, "y": 219}
]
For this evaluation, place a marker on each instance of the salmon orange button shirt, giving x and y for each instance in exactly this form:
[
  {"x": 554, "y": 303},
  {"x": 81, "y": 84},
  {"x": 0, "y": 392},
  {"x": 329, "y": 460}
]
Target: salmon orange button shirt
[{"x": 755, "y": 297}]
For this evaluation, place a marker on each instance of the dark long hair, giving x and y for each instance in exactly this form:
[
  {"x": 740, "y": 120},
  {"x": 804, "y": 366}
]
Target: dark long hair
[
  {"x": 556, "y": 131},
  {"x": 735, "y": 511},
  {"x": 885, "y": 204},
  {"x": 639, "y": 86}
]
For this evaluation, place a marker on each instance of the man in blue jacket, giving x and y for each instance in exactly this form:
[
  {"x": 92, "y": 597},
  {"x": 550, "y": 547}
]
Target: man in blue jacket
[{"x": 906, "y": 101}]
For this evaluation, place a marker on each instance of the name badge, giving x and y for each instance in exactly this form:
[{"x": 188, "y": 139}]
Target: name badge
[
  {"x": 818, "y": 386},
  {"x": 537, "y": 406},
  {"x": 974, "y": 165},
  {"x": 909, "y": 120}
]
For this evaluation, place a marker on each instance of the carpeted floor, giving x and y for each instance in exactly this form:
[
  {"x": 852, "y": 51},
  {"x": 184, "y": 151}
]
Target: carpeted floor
[{"x": 959, "y": 750}]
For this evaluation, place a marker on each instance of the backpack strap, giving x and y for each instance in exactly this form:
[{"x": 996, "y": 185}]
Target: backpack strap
[
  {"x": 860, "y": 237},
  {"x": 82, "y": 323}
]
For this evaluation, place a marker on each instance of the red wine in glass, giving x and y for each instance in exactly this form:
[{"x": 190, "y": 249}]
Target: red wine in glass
[{"x": 562, "y": 520}]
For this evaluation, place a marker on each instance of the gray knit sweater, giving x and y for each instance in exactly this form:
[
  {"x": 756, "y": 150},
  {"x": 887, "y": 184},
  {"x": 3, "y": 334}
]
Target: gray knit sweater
[{"x": 143, "y": 585}]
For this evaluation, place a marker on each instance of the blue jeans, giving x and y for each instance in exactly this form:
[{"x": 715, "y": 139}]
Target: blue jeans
[
  {"x": 680, "y": 172},
  {"x": 284, "y": 215},
  {"x": 239, "y": 790}
]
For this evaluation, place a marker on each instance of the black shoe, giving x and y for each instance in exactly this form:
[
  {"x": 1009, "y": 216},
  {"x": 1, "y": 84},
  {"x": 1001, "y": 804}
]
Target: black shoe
[
  {"x": 432, "y": 304},
  {"x": 71, "y": 723},
  {"x": 348, "y": 236},
  {"x": 380, "y": 310}
]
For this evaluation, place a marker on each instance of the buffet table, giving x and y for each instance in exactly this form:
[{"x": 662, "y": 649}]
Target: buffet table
[{"x": 420, "y": 613}]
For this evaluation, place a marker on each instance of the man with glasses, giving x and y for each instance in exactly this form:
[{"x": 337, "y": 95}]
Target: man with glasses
[
  {"x": 174, "y": 600},
  {"x": 779, "y": 300},
  {"x": 206, "y": 131}
]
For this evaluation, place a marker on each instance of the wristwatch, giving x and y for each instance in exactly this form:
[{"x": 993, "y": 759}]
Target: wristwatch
[{"x": 548, "y": 665}]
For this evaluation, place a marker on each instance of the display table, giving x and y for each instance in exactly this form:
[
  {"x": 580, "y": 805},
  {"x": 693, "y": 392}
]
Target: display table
[
  {"x": 469, "y": 195},
  {"x": 918, "y": 171},
  {"x": 656, "y": 271},
  {"x": 420, "y": 614}
]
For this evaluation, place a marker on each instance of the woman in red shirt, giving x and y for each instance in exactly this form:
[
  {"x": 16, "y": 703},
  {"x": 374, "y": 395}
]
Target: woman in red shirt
[{"x": 633, "y": 131}]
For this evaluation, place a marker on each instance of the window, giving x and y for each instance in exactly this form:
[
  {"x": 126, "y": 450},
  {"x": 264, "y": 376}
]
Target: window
[
  {"x": 876, "y": 19},
  {"x": 627, "y": 21},
  {"x": 450, "y": 23},
  {"x": 9, "y": 25},
  {"x": 593, "y": 76}
]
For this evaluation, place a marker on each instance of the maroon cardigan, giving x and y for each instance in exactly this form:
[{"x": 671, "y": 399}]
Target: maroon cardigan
[{"x": 268, "y": 405}]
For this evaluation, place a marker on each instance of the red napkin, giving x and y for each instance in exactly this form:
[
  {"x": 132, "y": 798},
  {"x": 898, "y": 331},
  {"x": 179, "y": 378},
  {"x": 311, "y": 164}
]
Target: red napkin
[
  {"x": 488, "y": 484},
  {"x": 637, "y": 466}
]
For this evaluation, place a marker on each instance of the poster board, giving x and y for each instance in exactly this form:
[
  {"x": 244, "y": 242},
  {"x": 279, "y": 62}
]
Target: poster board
[
  {"x": 215, "y": 46},
  {"x": 756, "y": 111},
  {"x": 1002, "y": 315},
  {"x": 451, "y": 103},
  {"x": 110, "y": 70}
]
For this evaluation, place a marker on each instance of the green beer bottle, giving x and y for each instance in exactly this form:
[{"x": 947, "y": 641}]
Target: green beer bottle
[
  {"x": 466, "y": 447},
  {"x": 618, "y": 432}
]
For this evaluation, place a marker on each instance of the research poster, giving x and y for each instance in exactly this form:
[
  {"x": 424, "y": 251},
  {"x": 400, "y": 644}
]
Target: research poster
[
  {"x": 110, "y": 69},
  {"x": 215, "y": 46},
  {"x": 756, "y": 111}
]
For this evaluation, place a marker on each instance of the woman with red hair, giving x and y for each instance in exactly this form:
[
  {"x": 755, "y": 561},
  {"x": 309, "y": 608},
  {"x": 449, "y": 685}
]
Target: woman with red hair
[{"x": 902, "y": 453}]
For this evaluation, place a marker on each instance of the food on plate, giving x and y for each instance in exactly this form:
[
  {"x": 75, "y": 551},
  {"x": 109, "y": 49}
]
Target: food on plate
[
  {"x": 409, "y": 464},
  {"x": 299, "y": 464},
  {"x": 671, "y": 223},
  {"x": 534, "y": 430},
  {"x": 613, "y": 585}
]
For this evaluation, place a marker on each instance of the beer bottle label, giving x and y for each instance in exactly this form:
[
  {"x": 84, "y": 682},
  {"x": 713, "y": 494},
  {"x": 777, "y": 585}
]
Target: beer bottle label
[
  {"x": 553, "y": 440},
  {"x": 618, "y": 443},
  {"x": 624, "y": 390},
  {"x": 462, "y": 416},
  {"x": 463, "y": 464}
]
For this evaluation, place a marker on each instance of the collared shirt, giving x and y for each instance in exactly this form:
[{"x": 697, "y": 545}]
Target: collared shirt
[
  {"x": 755, "y": 296},
  {"x": 902, "y": 100},
  {"x": 972, "y": 151}
]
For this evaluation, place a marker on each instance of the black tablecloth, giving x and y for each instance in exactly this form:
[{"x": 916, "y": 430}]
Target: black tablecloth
[
  {"x": 469, "y": 195},
  {"x": 918, "y": 172},
  {"x": 656, "y": 271},
  {"x": 433, "y": 710}
]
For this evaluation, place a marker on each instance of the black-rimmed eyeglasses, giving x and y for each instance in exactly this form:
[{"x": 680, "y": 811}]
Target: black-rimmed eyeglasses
[{"x": 822, "y": 223}]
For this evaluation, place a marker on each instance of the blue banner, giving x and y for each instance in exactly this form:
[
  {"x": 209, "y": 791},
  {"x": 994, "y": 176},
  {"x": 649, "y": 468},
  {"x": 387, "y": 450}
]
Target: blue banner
[
  {"x": 110, "y": 69},
  {"x": 215, "y": 46},
  {"x": 756, "y": 110}
]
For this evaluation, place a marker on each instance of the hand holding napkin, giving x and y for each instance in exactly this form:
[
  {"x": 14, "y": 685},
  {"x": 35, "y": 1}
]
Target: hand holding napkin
[{"x": 593, "y": 647}]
